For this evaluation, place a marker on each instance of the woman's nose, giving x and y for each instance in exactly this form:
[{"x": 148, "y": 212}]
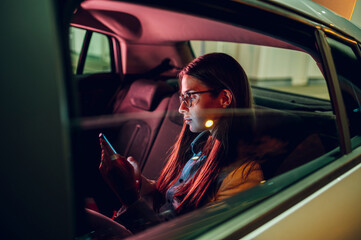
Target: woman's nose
[{"x": 182, "y": 108}]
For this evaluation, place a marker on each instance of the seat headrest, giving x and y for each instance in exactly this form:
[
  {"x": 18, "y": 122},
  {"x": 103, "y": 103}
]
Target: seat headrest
[{"x": 146, "y": 94}]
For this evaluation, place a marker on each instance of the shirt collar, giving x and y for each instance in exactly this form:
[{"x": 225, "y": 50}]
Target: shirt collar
[{"x": 198, "y": 138}]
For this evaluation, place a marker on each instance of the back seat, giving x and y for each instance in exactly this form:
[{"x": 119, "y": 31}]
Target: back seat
[
  {"x": 305, "y": 137},
  {"x": 131, "y": 129},
  {"x": 300, "y": 140},
  {"x": 145, "y": 103},
  {"x": 150, "y": 123}
]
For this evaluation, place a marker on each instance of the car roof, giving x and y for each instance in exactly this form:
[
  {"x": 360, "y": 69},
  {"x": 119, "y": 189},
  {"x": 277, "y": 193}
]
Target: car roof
[
  {"x": 321, "y": 14},
  {"x": 147, "y": 25}
]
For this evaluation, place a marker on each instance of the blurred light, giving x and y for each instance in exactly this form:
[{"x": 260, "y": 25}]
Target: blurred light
[
  {"x": 344, "y": 8},
  {"x": 263, "y": 181},
  {"x": 209, "y": 123}
]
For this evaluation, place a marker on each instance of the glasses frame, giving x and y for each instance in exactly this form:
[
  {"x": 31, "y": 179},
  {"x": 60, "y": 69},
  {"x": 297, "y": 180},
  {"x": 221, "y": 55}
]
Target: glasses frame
[{"x": 189, "y": 94}]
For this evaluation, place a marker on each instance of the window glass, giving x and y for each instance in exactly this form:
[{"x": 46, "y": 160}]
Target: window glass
[
  {"x": 298, "y": 114},
  {"x": 76, "y": 39},
  {"x": 275, "y": 68},
  {"x": 283, "y": 140},
  {"x": 98, "y": 57},
  {"x": 348, "y": 71}
]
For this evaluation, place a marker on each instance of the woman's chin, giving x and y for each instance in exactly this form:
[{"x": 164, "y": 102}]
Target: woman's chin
[
  {"x": 192, "y": 128},
  {"x": 196, "y": 129}
]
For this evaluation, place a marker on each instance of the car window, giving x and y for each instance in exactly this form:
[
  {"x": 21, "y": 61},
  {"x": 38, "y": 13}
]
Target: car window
[
  {"x": 347, "y": 67},
  {"x": 294, "y": 134},
  {"x": 76, "y": 39},
  {"x": 97, "y": 54},
  {"x": 292, "y": 101},
  {"x": 275, "y": 68},
  {"x": 295, "y": 128},
  {"x": 98, "y": 57}
]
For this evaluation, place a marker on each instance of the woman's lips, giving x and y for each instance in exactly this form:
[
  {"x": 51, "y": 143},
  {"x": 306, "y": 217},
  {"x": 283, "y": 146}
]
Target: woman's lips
[{"x": 187, "y": 120}]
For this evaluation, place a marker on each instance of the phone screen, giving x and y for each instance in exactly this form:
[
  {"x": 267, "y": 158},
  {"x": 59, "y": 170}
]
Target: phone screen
[{"x": 101, "y": 135}]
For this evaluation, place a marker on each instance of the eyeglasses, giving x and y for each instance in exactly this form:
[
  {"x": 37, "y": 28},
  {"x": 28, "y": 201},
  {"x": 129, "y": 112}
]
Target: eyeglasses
[{"x": 190, "y": 98}]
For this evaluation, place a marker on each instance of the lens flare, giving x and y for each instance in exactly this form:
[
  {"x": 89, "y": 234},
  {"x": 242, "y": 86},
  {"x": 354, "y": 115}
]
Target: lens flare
[{"x": 209, "y": 123}]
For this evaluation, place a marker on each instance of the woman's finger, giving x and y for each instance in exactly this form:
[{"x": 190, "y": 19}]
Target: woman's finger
[
  {"x": 134, "y": 164},
  {"x": 137, "y": 175}
]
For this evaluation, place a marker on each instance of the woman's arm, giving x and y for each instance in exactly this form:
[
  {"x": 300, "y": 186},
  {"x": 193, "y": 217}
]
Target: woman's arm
[{"x": 137, "y": 217}]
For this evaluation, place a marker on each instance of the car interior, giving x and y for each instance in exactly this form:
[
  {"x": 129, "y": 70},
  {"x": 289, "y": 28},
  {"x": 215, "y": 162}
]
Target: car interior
[{"x": 136, "y": 104}]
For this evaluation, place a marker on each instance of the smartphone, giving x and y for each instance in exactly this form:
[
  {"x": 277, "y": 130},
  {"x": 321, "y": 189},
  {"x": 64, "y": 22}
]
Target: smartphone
[{"x": 101, "y": 135}]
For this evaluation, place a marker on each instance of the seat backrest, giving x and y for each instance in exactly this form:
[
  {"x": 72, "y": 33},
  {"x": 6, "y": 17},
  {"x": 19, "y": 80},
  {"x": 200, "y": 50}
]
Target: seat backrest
[
  {"x": 165, "y": 139},
  {"x": 143, "y": 108},
  {"x": 301, "y": 140}
]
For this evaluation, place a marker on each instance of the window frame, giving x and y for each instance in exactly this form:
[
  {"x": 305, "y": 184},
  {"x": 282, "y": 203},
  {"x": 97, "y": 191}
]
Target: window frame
[
  {"x": 355, "y": 46},
  {"x": 334, "y": 91},
  {"x": 85, "y": 47},
  {"x": 263, "y": 202},
  {"x": 296, "y": 192}
]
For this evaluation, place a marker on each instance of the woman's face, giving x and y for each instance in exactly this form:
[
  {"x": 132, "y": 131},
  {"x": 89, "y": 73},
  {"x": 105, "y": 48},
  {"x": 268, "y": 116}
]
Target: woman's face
[{"x": 197, "y": 115}]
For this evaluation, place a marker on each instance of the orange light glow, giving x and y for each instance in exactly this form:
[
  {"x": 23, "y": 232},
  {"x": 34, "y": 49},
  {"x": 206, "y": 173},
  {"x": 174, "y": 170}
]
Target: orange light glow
[{"x": 209, "y": 123}]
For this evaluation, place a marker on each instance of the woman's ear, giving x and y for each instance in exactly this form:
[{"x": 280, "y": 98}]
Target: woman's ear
[{"x": 226, "y": 98}]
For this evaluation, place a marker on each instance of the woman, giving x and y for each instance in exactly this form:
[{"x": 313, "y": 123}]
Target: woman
[{"x": 204, "y": 165}]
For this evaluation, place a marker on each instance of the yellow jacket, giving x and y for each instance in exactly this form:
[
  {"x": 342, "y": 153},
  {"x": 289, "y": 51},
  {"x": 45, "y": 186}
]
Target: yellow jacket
[{"x": 239, "y": 179}]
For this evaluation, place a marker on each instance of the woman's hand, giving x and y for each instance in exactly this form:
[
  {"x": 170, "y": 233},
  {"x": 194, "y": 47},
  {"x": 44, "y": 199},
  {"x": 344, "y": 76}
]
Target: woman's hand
[
  {"x": 122, "y": 175},
  {"x": 148, "y": 186}
]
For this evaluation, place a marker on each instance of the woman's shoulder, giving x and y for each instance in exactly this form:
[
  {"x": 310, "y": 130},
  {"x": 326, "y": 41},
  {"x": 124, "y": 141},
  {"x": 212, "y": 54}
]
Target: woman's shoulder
[
  {"x": 243, "y": 171},
  {"x": 238, "y": 177}
]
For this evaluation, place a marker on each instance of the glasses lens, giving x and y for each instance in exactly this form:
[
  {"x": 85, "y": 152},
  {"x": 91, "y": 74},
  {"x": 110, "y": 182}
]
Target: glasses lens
[{"x": 186, "y": 99}]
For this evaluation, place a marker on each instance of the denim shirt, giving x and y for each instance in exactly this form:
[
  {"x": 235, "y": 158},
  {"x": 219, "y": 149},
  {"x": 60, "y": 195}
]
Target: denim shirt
[{"x": 188, "y": 172}]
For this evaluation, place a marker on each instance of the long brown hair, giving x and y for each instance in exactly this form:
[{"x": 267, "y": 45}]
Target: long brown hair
[{"x": 216, "y": 71}]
